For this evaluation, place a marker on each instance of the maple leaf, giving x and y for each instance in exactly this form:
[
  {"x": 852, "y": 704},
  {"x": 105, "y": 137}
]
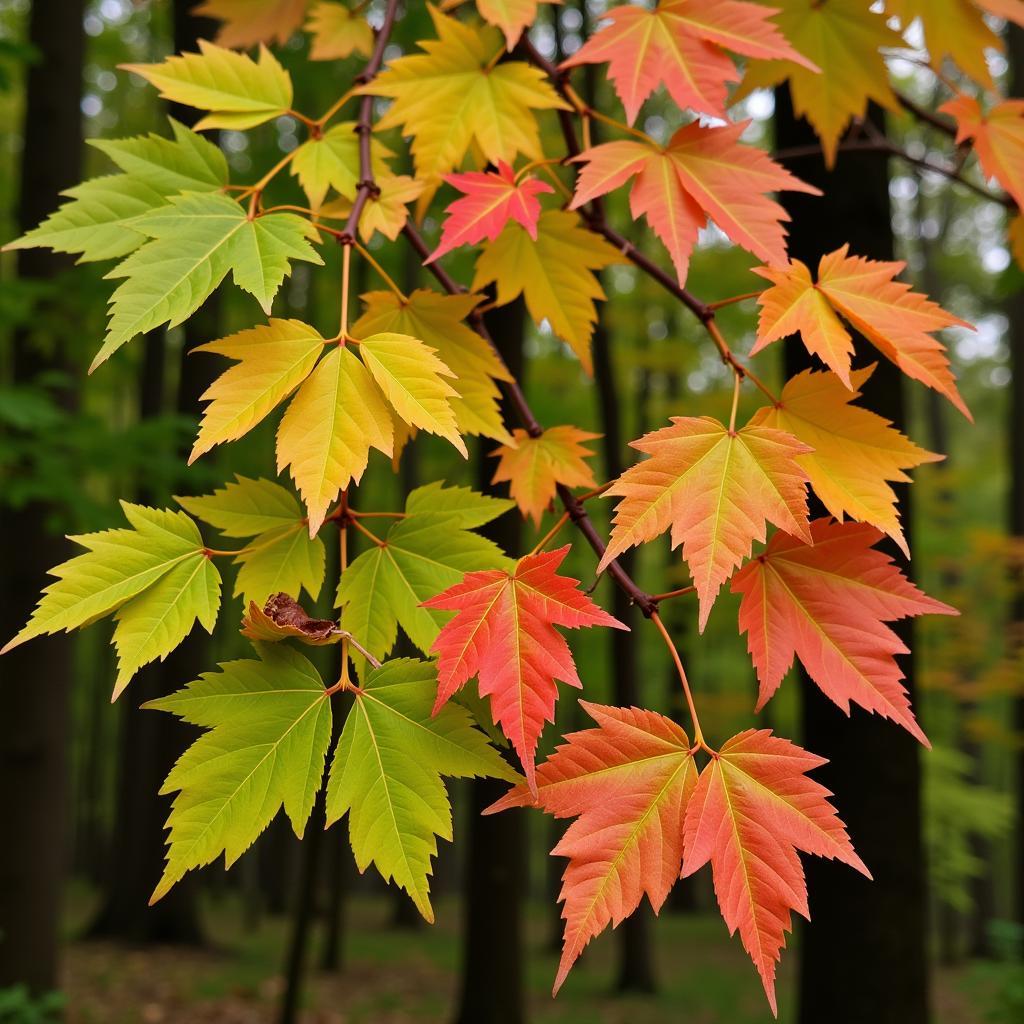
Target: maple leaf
[
  {"x": 681, "y": 44},
  {"x": 896, "y": 320},
  {"x": 195, "y": 239},
  {"x": 269, "y": 725},
  {"x": 283, "y": 618},
  {"x": 716, "y": 489},
  {"x": 97, "y": 221},
  {"x": 843, "y": 38},
  {"x": 997, "y": 138},
  {"x": 957, "y": 29},
  {"x": 828, "y": 605},
  {"x": 438, "y": 321},
  {"x": 554, "y": 273},
  {"x": 854, "y": 452},
  {"x": 386, "y": 773},
  {"x": 430, "y": 549},
  {"x": 490, "y": 200},
  {"x": 386, "y": 212},
  {"x": 331, "y": 160},
  {"x": 702, "y": 173},
  {"x": 628, "y": 783},
  {"x": 511, "y": 16},
  {"x": 450, "y": 97},
  {"x": 534, "y": 466},
  {"x": 504, "y": 634},
  {"x": 281, "y": 555},
  {"x": 273, "y": 360},
  {"x": 155, "y": 575},
  {"x": 337, "y": 32},
  {"x": 248, "y": 22},
  {"x": 239, "y": 92},
  {"x": 753, "y": 807}
]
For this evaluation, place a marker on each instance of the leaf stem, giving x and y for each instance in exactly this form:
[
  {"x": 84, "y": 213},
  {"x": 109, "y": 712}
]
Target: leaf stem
[
  {"x": 669, "y": 594},
  {"x": 381, "y": 272},
  {"x": 737, "y": 381},
  {"x": 552, "y": 533},
  {"x": 334, "y": 108},
  {"x": 698, "y": 734},
  {"x": 367, "y": 533},
  {"x": 734, "y": 299},
  {"x": 346, "y": 267}
]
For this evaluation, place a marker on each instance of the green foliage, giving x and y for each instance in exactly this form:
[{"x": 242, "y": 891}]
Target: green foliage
[{"x": 19, "y": 1006}]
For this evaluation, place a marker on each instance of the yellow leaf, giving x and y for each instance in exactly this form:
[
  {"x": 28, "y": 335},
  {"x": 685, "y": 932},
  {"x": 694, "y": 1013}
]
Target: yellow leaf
[
  {"x": 332, "y": 161},
  {"x": 554, "y": 272},
  {"x": 337, "y": 32},
  {"x": 248, "y": 22},
  {"x": 240, "y": 92},
  {"x": 327, "y": 432},
  {"x": 448, "y": 98},
  {"x": 855, "y": 452},
  {"x": 439, "y": 321},
  {"x": 511, "y": 16},
  {"x": 273, "y": 360},
  {"x": 843, "y": 38},
  {"x": 385, "y": 213},
  {"x": 534, "y": 466},
  {"x": 412, "y": 379}
]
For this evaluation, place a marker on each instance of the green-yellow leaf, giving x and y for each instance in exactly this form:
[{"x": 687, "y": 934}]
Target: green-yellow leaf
[
  {"x": 554, "y": 272},
  {"x": 269, "y": 725},
  {"x": 337, "y": 32},
  {"x": 467, "y": 508},
  {"x": 332, "y": 161},
  {"x": 412, "y": 379},
  {"x": 118, "y": 565},
  {"x": 439, "y": 321},
  {"x": 285, "y": 559},
  {"x": 195, "y": 240},
  {"x": 386, "y": 773},
  {"x": 240, "y": 92},
  {"x": 327, "y": 432},
  {"x": 152, "y": 624},
  {"x": 273, "y": 360},
  {"x": 245, "y": 507}
]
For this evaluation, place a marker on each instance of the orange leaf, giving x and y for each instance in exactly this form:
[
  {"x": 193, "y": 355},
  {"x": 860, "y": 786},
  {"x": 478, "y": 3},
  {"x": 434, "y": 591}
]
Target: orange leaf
[
  {"x": 896, "y": 320},
  {"x": 505, "y": 633},
  {"x": 716, "y": 489},
  {"x": 997, "y": 137},
  {"x": 680, "y": 44},
  {"x": 534, "y": 466},
  {"x": 629, "y": 782},
  {"x": 828, "y": 605},
  {"x": 753, "y": 808},
  {"x": 702, "y": 173}
]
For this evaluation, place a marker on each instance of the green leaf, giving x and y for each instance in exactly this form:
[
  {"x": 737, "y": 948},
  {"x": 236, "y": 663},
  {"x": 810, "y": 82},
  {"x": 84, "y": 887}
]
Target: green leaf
[
  {"x": 468, "y": 508},
  {"x": 332, "y": 161},
  {"x": 118, "y": 565},
  {"x": 152, "y": 624},
  {"x": 284, "y": 559},
  {"x": 195, "y": 240},
  {"x": 240, "y": 92},
  {"x": 385, "y": 586},
  {"x": 270, "y": 726},
  {"x": 386, "y": 772},
  {"x": 245, "y": 507}
]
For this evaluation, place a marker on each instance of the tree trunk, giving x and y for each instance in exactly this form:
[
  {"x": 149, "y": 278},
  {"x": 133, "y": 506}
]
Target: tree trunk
[
  {"x": 37, "y": 678},
  {"x": 864, "y": 951},
  {"x": 494, "y": 885}
]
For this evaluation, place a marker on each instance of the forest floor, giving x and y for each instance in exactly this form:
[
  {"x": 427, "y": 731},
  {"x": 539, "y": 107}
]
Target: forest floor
[{"x": 409, "y": 976}]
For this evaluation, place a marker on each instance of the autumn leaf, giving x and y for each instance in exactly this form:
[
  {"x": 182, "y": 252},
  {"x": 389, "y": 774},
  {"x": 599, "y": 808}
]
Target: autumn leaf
[
  {"x": 752, "y": 809},
  {"x": 450, "y": 97},
  {"x": 997, "y": 138},
  {"x": 715, "y": 489},
  {"x": 239, "y": 92},
  {"x": 854, "y": 452},
  {"x": 490, "y": 200},
  {"x": 331, "y": 160},
  {"x": 682, "y": 44},
  {"x": 283, "y": 618},
  {"x": 554, "y": 273},
  {"x": 828, "y": 605},
  {"x": 534, "y": 466},
  {"x": 627, "y": 783},
  {"x": 897, "y": 321},
  {"x": 438, "y": 320},
  {"x": 702, "y": 173},
  {"x": 337, "y": 32},
  {"x": 248, "y": 22},
  {"x": 386, "y": 212},
  {"x": 504, "y": 634},
  {"x": 844, "y": 39}
]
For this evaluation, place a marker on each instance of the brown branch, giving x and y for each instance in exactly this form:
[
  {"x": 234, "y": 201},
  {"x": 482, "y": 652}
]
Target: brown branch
[{"x": 926, "y": 116}]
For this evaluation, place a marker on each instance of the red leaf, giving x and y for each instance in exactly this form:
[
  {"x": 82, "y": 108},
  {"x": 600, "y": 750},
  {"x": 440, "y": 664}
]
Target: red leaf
[
  {"x": 828, "y": 605},
  {"x": 629, "y": 781},
  {"x": 504, "y": 633},
  {"x": 491, "y": 200},
  {"x": 752, "y": 809}
]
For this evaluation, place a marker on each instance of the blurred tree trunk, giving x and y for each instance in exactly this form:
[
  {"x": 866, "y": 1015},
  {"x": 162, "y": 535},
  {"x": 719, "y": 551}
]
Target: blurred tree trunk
[
  {"x": 635, "y": 967},
  {"x": 37, "y": 679},
  {"x": 494, "y": 884},
  {"x": 864, "y": 953},
  {"x": 1016, "y": 510}
]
